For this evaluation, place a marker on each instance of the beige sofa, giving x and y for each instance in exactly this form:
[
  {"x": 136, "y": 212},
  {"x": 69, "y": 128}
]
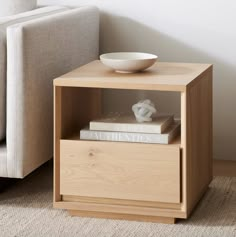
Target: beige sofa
[{"x": 41, "y": 45}]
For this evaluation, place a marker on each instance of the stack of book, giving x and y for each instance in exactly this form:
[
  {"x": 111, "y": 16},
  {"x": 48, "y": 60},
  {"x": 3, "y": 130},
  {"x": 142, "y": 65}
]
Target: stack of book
[{"x": 163, "y": 129}]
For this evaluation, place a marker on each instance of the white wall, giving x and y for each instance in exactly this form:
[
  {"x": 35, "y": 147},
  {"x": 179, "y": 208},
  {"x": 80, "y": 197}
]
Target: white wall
[{"x": 183, "y": 30}]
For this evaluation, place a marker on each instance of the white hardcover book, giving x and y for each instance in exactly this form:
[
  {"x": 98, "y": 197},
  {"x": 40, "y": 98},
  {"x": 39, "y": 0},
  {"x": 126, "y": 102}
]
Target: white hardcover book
[
  {"x": 164, "y": 138},
  {"x": 129, "y": 124}
]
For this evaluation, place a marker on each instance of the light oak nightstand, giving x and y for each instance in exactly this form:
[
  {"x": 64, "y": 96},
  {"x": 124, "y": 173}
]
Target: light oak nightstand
[{"x": 147, "y": 182}]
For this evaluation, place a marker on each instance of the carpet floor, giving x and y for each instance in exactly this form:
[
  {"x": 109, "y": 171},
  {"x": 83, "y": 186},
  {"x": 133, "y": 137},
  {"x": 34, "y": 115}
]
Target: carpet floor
[{"x": 26, "y": 210}]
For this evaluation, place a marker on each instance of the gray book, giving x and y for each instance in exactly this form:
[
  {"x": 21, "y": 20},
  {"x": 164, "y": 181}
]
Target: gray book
[
  {"x": 164, "y": 138},
  {"x": 124, "y": 123}
]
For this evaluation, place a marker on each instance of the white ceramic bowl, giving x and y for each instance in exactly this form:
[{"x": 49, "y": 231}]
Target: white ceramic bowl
[{"x": 128, "y": 62}]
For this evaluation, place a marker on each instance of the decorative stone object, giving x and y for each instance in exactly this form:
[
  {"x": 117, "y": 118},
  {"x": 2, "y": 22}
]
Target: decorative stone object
[
  {"x": 11, "y": 7},
  {"x": 144, "y": 110}
]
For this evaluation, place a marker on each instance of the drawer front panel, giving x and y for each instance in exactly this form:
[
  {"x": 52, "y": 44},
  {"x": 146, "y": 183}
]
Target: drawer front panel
[{"x": 130, "y": 171}]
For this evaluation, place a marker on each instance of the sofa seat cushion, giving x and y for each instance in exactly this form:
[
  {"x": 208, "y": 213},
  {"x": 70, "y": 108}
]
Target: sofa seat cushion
[{"x": 4, "y": 23}]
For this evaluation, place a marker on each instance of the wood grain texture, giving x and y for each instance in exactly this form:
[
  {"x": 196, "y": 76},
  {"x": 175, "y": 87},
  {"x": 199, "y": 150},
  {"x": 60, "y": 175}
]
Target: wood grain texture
[
  {"x": 57, "y": 137},
  {"x": 120, "y": 209},
  {"x": 161, "y": 76},
  {"x": 73, "y": 109},
  {"x": 163, "y": 220},
  {"x": 79, "y": 106},
  {"x": 71, "y": 198},
  {"x": 143, "y": 172},
  {"x": 198, "y": 139},
  {"x": 113, "y": 179},
  {"x": 183, "y": 151}
]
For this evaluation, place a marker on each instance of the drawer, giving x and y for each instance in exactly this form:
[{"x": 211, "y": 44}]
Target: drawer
[{"x": 129, "y": 171}]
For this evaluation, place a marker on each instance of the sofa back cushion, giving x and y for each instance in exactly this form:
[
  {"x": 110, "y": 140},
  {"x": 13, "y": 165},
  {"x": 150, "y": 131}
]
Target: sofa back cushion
[
  {"x": 12, "y": 7},
  {"x": 4, "y": 23}
]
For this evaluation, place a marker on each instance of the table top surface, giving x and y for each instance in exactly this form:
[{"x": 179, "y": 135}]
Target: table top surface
[{"x": 161, "y": 76}]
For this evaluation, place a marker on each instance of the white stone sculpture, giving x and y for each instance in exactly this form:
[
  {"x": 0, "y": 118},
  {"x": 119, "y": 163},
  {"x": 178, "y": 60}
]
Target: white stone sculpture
[{"x": 144, "y": 110}]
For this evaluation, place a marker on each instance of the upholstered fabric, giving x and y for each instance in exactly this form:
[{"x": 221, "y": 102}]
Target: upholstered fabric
[
  {"x": 39, "y": 51},
  {"x": 4, "y": 23},
  {"x": 3, "y": 160},
  {"x": 11, "y": 7}
]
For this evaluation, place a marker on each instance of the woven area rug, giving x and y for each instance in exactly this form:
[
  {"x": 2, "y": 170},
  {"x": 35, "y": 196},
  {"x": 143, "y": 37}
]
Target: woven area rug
[{"x": 26, "y": 210}]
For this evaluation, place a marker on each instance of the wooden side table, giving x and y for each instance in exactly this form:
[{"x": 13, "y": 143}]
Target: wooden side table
[{"x": 148, "y": 182}]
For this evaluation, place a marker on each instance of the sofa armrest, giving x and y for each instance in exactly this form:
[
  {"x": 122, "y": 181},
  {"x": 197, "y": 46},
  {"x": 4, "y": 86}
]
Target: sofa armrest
[{"x": 39, "y": 51}]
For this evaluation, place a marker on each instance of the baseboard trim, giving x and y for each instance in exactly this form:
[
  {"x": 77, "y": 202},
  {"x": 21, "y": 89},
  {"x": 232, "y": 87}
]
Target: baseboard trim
[{"x": 224, "y": 168}]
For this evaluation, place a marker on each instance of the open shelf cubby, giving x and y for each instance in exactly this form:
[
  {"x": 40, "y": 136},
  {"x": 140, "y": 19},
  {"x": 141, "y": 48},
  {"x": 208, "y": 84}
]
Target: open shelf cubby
[{"x": 81, "y": 105}]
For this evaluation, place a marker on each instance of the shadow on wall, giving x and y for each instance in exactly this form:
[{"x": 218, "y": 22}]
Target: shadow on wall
[{"x": 123, "y": 34}]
